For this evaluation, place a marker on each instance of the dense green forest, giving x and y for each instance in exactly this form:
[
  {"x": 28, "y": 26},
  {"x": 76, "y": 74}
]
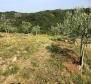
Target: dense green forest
[{"x": 40, "y": 22}]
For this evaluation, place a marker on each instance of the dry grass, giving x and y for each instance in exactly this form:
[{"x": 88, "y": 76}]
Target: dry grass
[{"x": 25, "y": 59}]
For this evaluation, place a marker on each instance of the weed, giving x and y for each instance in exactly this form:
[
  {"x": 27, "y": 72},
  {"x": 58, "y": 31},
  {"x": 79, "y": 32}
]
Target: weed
[{"x": 11, "y": 69}]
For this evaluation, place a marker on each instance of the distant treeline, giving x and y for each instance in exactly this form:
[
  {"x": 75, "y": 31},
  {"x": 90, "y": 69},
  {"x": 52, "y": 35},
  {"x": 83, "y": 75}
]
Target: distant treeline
[{"x": 43, "y": 22}]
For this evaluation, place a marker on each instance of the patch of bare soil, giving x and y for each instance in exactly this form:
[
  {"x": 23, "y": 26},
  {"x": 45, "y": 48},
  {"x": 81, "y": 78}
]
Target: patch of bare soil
[{"x": 71, "y": 67}]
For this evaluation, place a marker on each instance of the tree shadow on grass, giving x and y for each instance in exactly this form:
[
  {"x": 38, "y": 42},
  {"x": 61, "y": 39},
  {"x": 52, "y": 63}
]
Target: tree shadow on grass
[{"x": 56, "y": 50}]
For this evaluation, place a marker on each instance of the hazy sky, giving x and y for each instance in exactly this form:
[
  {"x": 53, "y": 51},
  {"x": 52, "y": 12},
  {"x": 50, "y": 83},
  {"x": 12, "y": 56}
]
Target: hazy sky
[{"x": 39, "y": 5}]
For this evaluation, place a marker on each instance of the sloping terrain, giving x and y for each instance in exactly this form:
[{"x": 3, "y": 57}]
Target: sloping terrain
[{"x": 28, "y": 59}]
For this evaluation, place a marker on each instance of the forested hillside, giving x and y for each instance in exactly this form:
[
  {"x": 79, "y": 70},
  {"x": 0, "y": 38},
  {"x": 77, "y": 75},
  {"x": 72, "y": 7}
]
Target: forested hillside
[{"x": 43, "y": 21}]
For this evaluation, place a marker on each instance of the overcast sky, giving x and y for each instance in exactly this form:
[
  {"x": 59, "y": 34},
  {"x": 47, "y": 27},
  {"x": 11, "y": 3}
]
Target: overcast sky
[{"x": 40, "y": 5}]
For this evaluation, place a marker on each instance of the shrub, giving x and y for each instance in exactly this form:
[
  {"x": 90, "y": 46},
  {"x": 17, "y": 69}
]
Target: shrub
[{"x": 54, "y": 48}]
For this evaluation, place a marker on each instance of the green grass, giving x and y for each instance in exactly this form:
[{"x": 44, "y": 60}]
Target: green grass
[{"x": 11, "y": 70}]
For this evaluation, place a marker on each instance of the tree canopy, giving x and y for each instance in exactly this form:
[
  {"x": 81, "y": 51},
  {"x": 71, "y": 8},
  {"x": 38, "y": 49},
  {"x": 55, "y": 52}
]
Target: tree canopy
[{"x": 20, "y": 22}]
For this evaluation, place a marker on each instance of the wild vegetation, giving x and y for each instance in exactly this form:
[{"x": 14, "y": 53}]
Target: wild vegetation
[
  {"x": 49, "y": 47},
  {"x": 45, "y": 19}
]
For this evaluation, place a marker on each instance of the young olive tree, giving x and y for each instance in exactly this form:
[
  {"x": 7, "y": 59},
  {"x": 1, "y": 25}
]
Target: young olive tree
[
  {"x": 26, "y": 27},
  {"x": 6, "y": 26},
  {"x": 80, "y": 27},
  {"x": 35, "y": 30},
  {"x": 4, "y": 23},
  {"x": 56, "y": 30}
]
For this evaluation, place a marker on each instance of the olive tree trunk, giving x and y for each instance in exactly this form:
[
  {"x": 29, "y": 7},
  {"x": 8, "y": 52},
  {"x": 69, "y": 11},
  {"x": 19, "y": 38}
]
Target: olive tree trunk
[{"x": 81, "y": 51}]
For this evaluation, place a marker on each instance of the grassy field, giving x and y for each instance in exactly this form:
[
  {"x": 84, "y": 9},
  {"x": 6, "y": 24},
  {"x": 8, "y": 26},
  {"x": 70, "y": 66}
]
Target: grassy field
[{"x": 41, "y": 59}]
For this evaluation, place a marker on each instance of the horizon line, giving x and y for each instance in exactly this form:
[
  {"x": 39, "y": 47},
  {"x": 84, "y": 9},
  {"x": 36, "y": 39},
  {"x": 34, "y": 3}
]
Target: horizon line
[{"x": 43, "y": 10}]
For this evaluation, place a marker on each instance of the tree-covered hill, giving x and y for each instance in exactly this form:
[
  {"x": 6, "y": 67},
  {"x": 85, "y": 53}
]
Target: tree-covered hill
[{"x": 44, "y": 19}]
